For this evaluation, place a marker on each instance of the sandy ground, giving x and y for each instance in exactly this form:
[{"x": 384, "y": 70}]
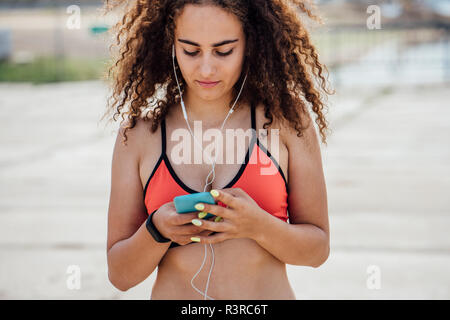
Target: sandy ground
[{"x": 387, "y": 168}]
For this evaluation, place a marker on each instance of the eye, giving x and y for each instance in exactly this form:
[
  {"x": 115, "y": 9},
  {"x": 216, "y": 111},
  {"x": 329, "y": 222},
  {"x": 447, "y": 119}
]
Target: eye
[
  {"x": 222, "y": 54},
  {"x": 190, "y": 53}
]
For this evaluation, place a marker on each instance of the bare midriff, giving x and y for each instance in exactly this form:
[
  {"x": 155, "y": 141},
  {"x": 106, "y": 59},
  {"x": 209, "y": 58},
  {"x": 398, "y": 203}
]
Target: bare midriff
[{"x": 242, "y": 270}]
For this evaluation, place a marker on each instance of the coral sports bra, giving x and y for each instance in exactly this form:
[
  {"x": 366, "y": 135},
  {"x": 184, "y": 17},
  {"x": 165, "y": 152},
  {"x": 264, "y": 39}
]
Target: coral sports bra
[{"x": 270, "y": 191}]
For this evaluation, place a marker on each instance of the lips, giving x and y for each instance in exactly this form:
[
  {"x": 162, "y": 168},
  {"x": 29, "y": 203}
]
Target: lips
[{"x": 208, "y": 82}]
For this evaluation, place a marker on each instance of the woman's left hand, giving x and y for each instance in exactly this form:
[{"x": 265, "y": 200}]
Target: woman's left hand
[{"x": 240, "y": 219}]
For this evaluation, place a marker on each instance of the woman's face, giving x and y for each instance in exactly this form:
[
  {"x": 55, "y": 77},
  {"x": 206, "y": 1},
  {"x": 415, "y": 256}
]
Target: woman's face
[{"x": 210, "y": 46}]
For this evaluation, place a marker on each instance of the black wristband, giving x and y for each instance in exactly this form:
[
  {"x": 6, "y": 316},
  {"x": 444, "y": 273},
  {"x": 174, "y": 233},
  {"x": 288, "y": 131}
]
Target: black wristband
[{"x": 153, "y": 231}]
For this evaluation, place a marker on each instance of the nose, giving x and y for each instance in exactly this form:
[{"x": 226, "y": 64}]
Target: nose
[{"x": 207, "y": 66}]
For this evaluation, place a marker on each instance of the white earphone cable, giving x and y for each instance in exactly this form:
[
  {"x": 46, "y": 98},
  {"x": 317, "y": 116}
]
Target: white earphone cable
[{"x": 206, "y": 181}]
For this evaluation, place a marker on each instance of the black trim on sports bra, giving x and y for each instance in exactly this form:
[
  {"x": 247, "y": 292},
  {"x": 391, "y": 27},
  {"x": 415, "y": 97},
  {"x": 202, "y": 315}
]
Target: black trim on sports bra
[
  {"x": 275, "y": 162},
  {"x": 152, "y": 174}
]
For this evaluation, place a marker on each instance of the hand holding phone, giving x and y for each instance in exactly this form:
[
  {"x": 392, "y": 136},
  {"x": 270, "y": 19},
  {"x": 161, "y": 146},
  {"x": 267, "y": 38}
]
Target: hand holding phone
[
  {"x": 186, "y": 203},
  {"x": 176, "y": 227}
]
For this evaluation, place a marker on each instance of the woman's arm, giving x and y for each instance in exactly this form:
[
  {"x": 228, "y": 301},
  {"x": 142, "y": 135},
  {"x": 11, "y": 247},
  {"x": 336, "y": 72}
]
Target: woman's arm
[
  {"x": 306, "y": 240},
  {"x": 132, "y": 253},
  {"x": 297, "y": 244},
  {"x": 132, "y": 260}
]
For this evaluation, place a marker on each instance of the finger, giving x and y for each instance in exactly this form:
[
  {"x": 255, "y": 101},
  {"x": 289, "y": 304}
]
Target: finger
[
  {"x": 203, "y": 215},
  {"x": 214, "y": 209},
  {"x": 188, "y": 230},
  {"x": 205, "y": 233},
  {"x": 182, "y": 240},
  {"x": 178, "y": 219},
  {"x": 236, "y": 192},
  {"x": 215, "y": 238},
  {"x": 227, "y": 196},
  {"x": 186, "y": 239},
  {"x": 223, "y": 226}
]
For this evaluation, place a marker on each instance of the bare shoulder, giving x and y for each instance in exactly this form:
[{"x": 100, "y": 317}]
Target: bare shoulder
[
  {"x": 289, "y": 135},
  {"x": 277, "y": 124},
  {"x": 139, "y": 137},
  {"x": 308, "y": 141}
]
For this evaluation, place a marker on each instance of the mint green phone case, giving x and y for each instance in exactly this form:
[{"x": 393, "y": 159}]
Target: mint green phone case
[{"x": 186, "y": 203}]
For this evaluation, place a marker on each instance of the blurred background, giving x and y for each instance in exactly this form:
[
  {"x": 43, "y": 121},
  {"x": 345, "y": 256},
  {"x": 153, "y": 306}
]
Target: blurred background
[{"x": 387, "y": 162}]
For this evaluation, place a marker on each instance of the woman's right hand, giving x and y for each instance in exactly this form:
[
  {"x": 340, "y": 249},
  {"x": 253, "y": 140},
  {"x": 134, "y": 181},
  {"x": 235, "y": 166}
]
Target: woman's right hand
[{"x": 177, "y": 226}]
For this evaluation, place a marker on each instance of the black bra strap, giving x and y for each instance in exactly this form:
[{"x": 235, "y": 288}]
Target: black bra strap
[{"x": 253, "y": 117}]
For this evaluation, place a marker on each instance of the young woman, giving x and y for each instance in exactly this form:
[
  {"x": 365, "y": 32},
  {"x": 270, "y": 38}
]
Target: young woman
[{"x": 256, "y": 58}]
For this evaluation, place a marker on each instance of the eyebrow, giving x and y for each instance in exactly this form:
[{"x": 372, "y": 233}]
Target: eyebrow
[{"x": 214, "y": 45}]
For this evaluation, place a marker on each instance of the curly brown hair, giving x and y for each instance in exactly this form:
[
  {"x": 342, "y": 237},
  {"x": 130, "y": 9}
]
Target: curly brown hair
[{"x": 284, "y": 72}]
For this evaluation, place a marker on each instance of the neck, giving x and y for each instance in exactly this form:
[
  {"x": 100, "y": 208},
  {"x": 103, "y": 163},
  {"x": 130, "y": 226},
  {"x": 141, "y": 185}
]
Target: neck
[{"x": 212, "y": 113}]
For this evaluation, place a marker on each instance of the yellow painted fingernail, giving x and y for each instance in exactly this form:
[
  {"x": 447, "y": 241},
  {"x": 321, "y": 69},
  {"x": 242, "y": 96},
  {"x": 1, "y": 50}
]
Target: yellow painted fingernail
[
  {"x": 201, "y": 215},
  {"x": 214, "y": 193},
  {"x": 199, "y": 206},
  {"x": 196, "y": 222},
  {"x": 217, "y": 219},
  {"x": 195, "y": 239}
]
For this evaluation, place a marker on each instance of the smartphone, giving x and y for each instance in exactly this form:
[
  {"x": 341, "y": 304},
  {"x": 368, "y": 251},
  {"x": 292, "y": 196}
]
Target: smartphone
[{"x": 186, "y": 203}]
